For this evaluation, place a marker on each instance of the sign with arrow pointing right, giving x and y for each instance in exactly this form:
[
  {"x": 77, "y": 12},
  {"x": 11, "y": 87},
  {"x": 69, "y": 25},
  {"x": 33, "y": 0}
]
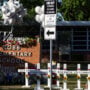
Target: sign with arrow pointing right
[{"x": 50, "y": 33}]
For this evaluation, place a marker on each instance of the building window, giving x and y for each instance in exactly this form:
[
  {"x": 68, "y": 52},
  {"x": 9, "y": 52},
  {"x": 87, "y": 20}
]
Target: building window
[{"x": 79, "y": 41}]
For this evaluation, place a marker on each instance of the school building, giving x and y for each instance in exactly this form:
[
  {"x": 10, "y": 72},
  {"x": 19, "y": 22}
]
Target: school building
[{"x": 72, "y": 44}]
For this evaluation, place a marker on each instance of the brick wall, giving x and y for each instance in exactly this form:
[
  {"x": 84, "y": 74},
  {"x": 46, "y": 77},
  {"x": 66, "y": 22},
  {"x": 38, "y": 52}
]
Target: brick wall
[{"x": 34, "y": 58}]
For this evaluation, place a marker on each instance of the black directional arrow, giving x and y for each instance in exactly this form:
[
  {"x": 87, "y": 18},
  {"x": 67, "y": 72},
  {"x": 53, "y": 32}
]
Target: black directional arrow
[{"x": 49, "y": 33}]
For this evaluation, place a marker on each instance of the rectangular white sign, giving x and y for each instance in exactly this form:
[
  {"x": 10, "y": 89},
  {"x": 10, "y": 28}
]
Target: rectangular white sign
[
  {"x": 50, "y": 33},
  {"x": 50, "y": 19}
]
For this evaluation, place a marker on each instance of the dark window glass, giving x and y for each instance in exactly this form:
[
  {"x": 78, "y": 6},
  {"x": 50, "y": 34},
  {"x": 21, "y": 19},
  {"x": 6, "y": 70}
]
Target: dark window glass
[
  {"x": 89, "y": 37},
  {"x": 79, "y": 33},
  {"x": 89, "y": 42},
  {"x": 79, "y": 42},
  {"x": 80, "y": 47},
  {"x": 79, "y": 38}
]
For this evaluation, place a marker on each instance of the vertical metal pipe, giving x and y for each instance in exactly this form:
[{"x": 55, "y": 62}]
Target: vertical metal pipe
[{"x": 50, "y": 64}]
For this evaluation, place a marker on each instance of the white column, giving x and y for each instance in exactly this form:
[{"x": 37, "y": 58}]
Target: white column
[
  {"x": 58, "y": 75},
  {"x": 78, "y": 78},
  {"x": 38, "y": 79},
  {"x": 26, "y": 74},
  {"x": 65, "y": 75},
  {"x": 88, "y": 77},
  {"x": 58, "y": 78},
  {"x": 78, "y": 75},
  {"x": 49, "y": 82}
]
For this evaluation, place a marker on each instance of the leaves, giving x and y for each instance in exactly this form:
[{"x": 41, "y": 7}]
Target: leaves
[
  {"x": 30, "y": 5},
  {"x": 76, "y": 9},
  {"x": 70, "y": 9}
]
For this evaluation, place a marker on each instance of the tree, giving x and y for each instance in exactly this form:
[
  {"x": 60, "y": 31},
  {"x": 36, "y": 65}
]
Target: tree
[
  {"x": 30, "y": 5},
  {"x": 70, "y": 9},
  {"x": 75, "y": 9}
]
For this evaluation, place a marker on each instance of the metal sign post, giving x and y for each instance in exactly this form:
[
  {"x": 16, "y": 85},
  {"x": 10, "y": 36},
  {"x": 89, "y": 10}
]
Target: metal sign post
[
  {"x": 50, "y": 28},
  {"x": 51, "y": 64},
  {"x": 50, "y": 34}
]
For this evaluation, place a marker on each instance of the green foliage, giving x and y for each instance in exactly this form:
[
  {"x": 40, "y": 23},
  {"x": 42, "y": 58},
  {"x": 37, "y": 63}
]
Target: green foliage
[
  {"x": 70, "y": 9},
  {"x": 75, "y": 9},
  {"x": 30, "y": 5}
]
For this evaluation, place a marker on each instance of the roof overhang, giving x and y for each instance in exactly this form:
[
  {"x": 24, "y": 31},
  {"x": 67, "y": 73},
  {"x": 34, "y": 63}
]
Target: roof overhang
[{"x": 73, "y": 23}]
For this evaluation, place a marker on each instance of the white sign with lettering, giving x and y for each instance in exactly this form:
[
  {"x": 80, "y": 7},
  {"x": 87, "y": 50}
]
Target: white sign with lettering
[{"x": 50, "y": 19}]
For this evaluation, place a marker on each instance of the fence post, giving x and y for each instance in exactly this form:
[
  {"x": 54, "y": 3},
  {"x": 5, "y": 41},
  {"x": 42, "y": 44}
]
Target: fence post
[
  {"x": 89, "y": 77},
  {"x": 26, "y": 76},
  {"x": 58, "y": 75},
  {"x": 38, "y": 78},
  {"x": 49, "y": 75},
  {"x": 58, "y": 78},
  {"x": 65, "y": 78},
  {"x": 78, "y": 78}
]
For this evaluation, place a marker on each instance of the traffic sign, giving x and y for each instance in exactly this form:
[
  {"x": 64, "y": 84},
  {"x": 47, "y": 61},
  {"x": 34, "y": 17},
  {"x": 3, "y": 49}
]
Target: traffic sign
[
  {"x": 50, "y": 33},
  {"x": 50, "y": 27},
  {"x": 50, "y": 6},
  {"x": 50, "y": 19},
  {"x": 50, "y": 12}
]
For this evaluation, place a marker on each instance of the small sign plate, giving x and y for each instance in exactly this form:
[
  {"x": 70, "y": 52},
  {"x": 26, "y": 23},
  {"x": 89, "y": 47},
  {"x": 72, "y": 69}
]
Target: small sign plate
[{"x": 50, "y": 33}]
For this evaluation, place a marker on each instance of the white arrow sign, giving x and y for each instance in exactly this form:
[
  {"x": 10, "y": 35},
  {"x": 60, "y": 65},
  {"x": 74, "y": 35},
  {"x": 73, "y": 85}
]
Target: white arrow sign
[{"x": 50, "y": 33}]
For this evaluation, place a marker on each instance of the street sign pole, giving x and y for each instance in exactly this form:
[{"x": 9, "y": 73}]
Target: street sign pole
[
  {"x": 50, "y": 28},
  {"x": 51, "y": 63}
]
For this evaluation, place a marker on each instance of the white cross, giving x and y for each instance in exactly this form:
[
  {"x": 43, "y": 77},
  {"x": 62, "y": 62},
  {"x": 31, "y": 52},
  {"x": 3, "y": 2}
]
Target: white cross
[
  {"x": 26, "y": 71},
  {"x": 33, "y": 71},
  {"x": 57, "y": 71}
]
